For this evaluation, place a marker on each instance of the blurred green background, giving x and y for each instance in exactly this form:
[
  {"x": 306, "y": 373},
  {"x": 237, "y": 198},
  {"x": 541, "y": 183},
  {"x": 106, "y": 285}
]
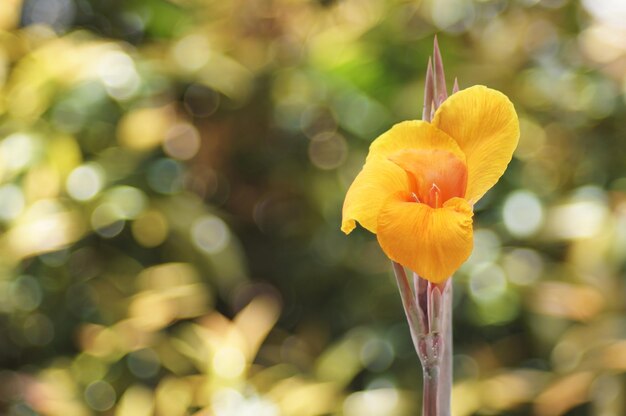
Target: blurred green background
[{"x": 171, "y": 181}]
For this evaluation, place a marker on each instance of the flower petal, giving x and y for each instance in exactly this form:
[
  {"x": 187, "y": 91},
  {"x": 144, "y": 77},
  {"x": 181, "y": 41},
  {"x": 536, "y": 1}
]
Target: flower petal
[
  {"x": 431, "y": 242},
  {"x": 432, "y": 170},
  {"x": 413, "y": 134},
  {"x": 378, "y": 179},
  {"x": 484, "y": 124}
]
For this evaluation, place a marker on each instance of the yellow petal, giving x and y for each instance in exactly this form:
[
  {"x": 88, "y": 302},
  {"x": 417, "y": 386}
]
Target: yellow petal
[
  {"x": 484, "y": 124},
  {"x": 433, "y": 242},
  {"x": 377, "y": 180},
  {"x": 413, "y": 134}
]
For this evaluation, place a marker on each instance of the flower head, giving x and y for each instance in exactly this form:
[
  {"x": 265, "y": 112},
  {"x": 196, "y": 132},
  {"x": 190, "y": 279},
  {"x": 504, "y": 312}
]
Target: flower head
[{"x": 420, "y": 180}]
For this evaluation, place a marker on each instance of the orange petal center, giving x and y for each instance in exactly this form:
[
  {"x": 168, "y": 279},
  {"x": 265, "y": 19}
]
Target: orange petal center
[{"x": 435, "y": 176}]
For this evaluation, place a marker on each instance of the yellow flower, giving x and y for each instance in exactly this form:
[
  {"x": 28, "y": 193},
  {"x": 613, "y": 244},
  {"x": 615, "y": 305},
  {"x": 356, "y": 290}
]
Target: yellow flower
[{"x": 420, "y": 181}]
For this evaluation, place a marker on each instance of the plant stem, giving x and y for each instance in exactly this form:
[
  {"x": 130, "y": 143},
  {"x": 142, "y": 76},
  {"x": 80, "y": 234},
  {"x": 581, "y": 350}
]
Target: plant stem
[
  {"x": 428, "y": 308},
  {"x": 408, "y": 302},
  {"x": 445, "y": 378},
  {"x": 431, "y": 387}
]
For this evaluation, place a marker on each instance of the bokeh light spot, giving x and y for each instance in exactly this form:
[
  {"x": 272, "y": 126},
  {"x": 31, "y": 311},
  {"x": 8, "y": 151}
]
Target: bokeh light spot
[
  {"x": 100, "y": 396},
  {"x": 17, "y": 151},
  {"x": 12, "y": 200},
  {"x": 328, "y": 150},
  {"x": 182, "y": 141},
  {"x": 523, "y": 266},
  {"x": 117, "y": 73},
  {"x": 523, "y": 213},
  {"x": 359, "y": 114},
  {"x": 107, "y": 220},
  {"x": 144, "y": 128},
  {"x": 129, "y": 200},
  {"x": 88, "y": 368},
  {"x": 85, "y": 182},
  {"x": 192, "y": 52},
  {"x": 26, "y": 294},
  {"x": 143, "y": 363},
  {"x": 150, "y": 229},
  {"x": 166, "y": 176},
  {"x": 487, "y": 282},
  {"x": 210, "y": 234},
  {"x": 498, "y": 310}
]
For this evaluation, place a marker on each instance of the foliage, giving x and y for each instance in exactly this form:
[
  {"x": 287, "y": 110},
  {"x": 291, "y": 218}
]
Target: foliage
[{"x": 171, "y": 178}]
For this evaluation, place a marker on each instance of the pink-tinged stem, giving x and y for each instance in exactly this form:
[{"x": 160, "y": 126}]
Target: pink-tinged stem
[
  {"x": 445, "y": 371},
  {"x": 429, "y": 403},
  {"x": 408, "y": 301},
  {"x": 435, "y": 348},
  {"x": 428, "y": 309}
]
